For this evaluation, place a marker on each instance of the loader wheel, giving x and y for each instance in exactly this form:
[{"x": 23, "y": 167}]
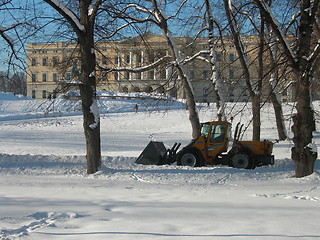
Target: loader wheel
[
  {"x": 241, "y": 161},
  {"x": 190, "y": 158}
]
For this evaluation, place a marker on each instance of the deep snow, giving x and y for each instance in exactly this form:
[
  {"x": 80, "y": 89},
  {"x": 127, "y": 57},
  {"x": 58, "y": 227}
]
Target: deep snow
[{"x": 45, "y": 192}]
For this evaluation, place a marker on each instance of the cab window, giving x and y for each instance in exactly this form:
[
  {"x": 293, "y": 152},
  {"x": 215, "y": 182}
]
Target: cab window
[
  {"x": 217, "y": 134},
  {"x": 205, "y": 130}
]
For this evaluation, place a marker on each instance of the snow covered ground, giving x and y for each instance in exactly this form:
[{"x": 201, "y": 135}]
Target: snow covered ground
[{"x": 45, "y": 192}]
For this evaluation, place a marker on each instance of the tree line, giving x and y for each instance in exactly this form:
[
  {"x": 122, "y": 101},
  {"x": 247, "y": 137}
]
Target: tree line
[{"x": 288, "y": 45}]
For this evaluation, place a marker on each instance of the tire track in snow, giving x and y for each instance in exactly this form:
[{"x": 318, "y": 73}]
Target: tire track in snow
[
  {"x": 39, "y": 220},
  {"x": 293, "y": 195}
]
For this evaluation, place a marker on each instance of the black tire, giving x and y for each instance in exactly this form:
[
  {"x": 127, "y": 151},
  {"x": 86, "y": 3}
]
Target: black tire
[
  {"x": 241, "y": 160},
  {"x": 190, "y": 158}
]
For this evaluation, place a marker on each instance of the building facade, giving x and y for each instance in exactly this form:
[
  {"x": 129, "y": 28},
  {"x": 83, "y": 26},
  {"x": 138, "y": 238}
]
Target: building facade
[{"x": 53, "y": 68}]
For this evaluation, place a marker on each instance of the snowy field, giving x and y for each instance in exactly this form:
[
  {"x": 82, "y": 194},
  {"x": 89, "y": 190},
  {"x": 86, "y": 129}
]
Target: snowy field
[{"x": 45, "y": 192}]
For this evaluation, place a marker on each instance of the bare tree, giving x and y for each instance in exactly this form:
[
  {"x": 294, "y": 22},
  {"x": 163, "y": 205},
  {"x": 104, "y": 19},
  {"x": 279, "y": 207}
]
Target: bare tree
[
  {"x": 156, "y": 16},
  {"x": 11, "y": 31},
  {"x": 83, "y": 26},
  {"x": 273, "y": 83},
  {"x": 215, "y": 78},
  {"x": 255, "y": 93},
  {"x": 302, "y": 56}
]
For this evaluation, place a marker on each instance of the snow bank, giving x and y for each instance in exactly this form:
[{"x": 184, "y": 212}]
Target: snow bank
[{"x": 11, "y": 96}]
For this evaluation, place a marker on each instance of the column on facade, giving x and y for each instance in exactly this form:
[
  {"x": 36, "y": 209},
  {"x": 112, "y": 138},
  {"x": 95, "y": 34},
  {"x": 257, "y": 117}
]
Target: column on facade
[
  {"x": 156, "y": 70},
  {"x": 168, "y": 69},
  {"x": 122, "y": 58},
  {"x": 130, "y": 64},
  {"x": 142, "y": 61}
]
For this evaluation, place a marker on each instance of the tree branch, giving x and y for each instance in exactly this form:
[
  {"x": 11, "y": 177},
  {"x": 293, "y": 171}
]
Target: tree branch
[
  {"x": 265, "y": 10},
  {"x": 69, "y": 15},
  {"x": 138, "y": 69}
]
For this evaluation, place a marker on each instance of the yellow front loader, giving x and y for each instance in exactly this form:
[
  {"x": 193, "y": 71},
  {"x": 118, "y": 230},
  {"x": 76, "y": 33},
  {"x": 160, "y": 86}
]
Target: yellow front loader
[{"x": 211, "y": 148}]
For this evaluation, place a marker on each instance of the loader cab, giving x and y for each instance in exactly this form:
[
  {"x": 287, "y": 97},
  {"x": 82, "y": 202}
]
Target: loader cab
[{"x": 214, "y": 139}]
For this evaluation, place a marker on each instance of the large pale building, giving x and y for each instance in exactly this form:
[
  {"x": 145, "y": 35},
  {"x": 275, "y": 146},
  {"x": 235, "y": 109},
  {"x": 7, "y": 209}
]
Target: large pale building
[{"x": 53, "y": 68}]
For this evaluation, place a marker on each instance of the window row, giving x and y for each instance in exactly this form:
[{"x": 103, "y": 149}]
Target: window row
[
  {"x": 150, "y": 75},
  {"x": 43, "y": 94},
  {"x": 44, "y": 77},
  {"x": 126, "y": 58},
  {"x": 45, "y": 61}
]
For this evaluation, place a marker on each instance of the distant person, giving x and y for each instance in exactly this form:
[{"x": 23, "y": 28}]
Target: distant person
[{"x": 136, "y": 108}]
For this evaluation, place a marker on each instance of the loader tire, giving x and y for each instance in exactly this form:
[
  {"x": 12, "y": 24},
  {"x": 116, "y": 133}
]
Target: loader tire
[
  {"x": 241, "y": 160},
  {"x": 190, "y": 158}
]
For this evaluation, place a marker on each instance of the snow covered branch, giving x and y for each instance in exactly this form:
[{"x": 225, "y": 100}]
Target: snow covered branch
[
  {"x": 197, "y": 56},
  {"x": 93, "y": 10},
  {"x": 138, "y": 69},
  {"x": 71, "y": 17},
  {"x": 314, "y": 56},
  {"x": 265, "y": 9},
  {"x": 123, "y": 14}
]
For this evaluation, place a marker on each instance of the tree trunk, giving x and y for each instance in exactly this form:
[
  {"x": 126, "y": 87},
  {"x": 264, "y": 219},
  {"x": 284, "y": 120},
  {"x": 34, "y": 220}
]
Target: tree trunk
[
  {"x": 256, "y": 124},
  {"x": 216, "y": 81},
  {"x": 91, "y": 126},
  {"x": 279, "y": 116},
  {"x": 91, "y": 119},
  {"x": 301, "y": 64},
  {"x": 191, "y": 105},
  {"x": 302, "y": 152},
  {"x": 190, "y": 101},
  {"x": 255, "y": 97},
  {"x": 302, "y": 128}
]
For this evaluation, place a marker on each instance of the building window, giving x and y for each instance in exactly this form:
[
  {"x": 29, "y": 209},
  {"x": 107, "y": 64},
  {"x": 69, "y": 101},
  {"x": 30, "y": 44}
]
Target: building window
[
  {"x": 104, "y": 60},
  {"x": 116, "y": 60},
  {"x": 191, "y": 74},
  {"x": 218, "y": 57},
  {"x": 151, "y": 75},
  {"x": 54, "y": 94},
  {"x": 232, "y": 57},
  {"x": 151, "y": 57},
  {"x": 219, "y": 73},
  {"x": 205, "y": 74},
  {"x": 138, "y": 75},
  {"x": 45, "y": 61},
  {"x": 231, "y": 73},
  {"x": 55, "y": 61},
  {"x": 33, "y": 93},
  {"x": 139, "y": 58},
  {"x": 205, "y": 92},
  {"x": 285, "y": 92},
  {"x": 34, "y": 77},
  {"x": 127, "y": 75},
  {"x": 33, "y": 62},
  {"x": 115, "y": 75},
  {"x": 163, "y": 74},
  {"x": 68, "y": 61},
  {"x": 44, "y": 93},
  {"x": 55, "y": 77},
  {"x": 44, "y": 77},
  {"x": 128, "y": 58},
  {"x": 104, "y": 77},
  {"x": 68, "y": 76}
]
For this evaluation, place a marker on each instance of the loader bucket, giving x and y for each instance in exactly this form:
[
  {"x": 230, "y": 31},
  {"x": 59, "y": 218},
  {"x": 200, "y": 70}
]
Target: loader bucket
[{"x": 153, "y": 154}]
